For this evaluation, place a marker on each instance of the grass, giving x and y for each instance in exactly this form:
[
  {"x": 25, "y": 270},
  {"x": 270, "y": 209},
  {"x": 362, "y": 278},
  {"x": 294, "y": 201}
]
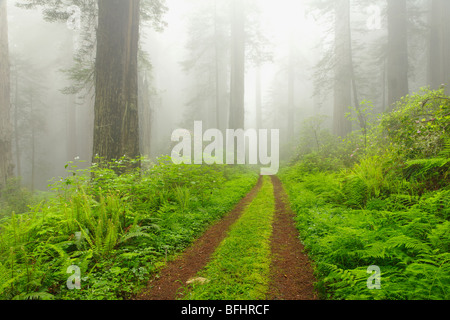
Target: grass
[
  {"x": 239, "y": 269},
  {"x": 119, "y": 230}
]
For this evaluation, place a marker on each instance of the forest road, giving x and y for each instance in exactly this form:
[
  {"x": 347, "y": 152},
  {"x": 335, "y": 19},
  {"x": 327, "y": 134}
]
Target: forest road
[
  {"x": 292, "y": 275},
  {"x": 291, "y": 272},
  {"x": 167, "y": 284}
]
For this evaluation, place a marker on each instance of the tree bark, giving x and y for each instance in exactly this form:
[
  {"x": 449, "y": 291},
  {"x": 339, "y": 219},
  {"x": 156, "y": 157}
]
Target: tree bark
[
  {"x": 237, "y": 94},
  {"x": 343, "y": 69},
  {"x": 6, "y": 161},
  {"x": 439, "y": 50},
  {"x": 145, "y": 115},
  {"x": 397, "y": 51},
  {"x": 71, "y": 115},
  {"x": 33, "y": 140},
  {"x": 16, "y": 123},
  {"x": 222, "y": 116},
  {"x": 72, "y": 150},
  {"x": 116, "y": 131},
  {"x": 258, "y": 98}
]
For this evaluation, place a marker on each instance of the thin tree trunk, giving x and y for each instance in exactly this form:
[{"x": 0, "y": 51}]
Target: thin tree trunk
[
  {"x": 16, "y": 124},
  {"x": 439, "y": 49},
  {"x": 33, "y": 141},
  {"x": 219, "y": 106},
  {"x": 116, "y": 128},
  {"x": 383, "y": 82},
  {"x": 291, "y": 92},
  {"x": 237, "y": 94},
  {"x": 397, "y": 51},
  {"x": 6, "y": 162},
  {"x": 343, "y": 69},
  {"x": 221, "y": 72},
  {"x": 145, "y": 115},
  {"x": 71, "y": 113},
  {"x": 258, "y": 98},
  {"x": 71, "y": 129}
]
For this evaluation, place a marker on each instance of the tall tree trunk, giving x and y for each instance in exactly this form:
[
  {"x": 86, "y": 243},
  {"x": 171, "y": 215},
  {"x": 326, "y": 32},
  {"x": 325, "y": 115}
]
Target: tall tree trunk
[
  {"x": 237, "y": 94},
  {"x": 6, "y": 161},
  {"x": 384, "y": 85},
  {"x": 16, "y": 124},
  {"x": 397, "y": 51},
  {"x": 291, "y": 90},
  {"x": 71, "y": 114},
  {"x": 258, "y": 98},
  {"x": 33, "y": 141},
  {"x": 220, "y": 74},
  {"x": 116, "y": 131},
  {"x": 439, "y": 50},
  {"x": 343, "y": 69},
  {"x": 145, "y": 115},
  {"x": 72, "y": 150}
]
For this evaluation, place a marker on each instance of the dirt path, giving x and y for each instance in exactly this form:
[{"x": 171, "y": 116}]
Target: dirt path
[
  {"x": 177, "y": 272},
  {"x": 292, "y": 274}
]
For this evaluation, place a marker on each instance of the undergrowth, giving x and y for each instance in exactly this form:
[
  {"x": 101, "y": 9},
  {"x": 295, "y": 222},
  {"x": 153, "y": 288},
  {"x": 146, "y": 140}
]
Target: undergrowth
[
  {"x": 117, "y": 229},
  {"x": 387, "y": 205}
]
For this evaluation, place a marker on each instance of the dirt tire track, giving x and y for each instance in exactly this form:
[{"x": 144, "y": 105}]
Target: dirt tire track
[
  {"x": 292, "y": 275},
  {"x": 166, "y": 284}
]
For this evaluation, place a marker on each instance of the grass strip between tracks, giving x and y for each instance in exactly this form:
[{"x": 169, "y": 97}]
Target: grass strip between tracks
[{"x": 240, "y": 267}]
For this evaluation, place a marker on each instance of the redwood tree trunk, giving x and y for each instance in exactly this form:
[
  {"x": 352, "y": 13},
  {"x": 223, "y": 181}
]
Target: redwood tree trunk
[
  {"x": 439, "y": 65},
  {"x": 291, "y": 91},
  {"x": 116, "y": 131},
  {"x": 237, "y": 94},
  {"x": 6, "y": 161},
  {"x": 221, "y": 73},
  {"x": 343, "y": 69},
  {"x": 397, "y": 51},
  {"x": 258, "y": 98}
]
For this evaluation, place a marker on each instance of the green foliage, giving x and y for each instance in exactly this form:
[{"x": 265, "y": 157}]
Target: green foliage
[
  {"x": 364, "y": 116},
  {"x": 82, "y": 74},
  {"x": 418, "y": 126},
  {"x": 14, "y": 198},
  {"x": 389, "y": 208},
  {"x": 239, "y": 268},
  {"x": 319, "y": 150},
  {"x": 411, "y": 245},
  {"x": 117, "y": 229}
]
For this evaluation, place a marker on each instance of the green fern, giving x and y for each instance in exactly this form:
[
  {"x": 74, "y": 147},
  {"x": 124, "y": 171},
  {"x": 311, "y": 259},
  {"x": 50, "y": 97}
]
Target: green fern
[
  {"x": 183, "y": 197},
  {"x": 355, "y": 191},
  {"x": 403, "y": 241},
  {"x": 35, "y": 296},
  {"x": 436, "y": 203},
  {"x": 137, "y": 231},
  {"x": 422, "y": 168},
  {"x": 445, "y": 151},
  {"x": 440, "y": 237}
]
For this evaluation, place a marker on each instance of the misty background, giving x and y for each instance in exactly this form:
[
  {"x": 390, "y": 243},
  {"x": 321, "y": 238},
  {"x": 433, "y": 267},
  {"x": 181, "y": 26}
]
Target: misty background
[{"x": 290, "y": 45}]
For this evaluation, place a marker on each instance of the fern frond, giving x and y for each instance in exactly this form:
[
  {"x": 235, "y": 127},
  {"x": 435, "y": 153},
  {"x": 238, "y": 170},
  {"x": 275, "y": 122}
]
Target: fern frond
[
  {"x": 35, "y": 296},
  {"x": 135, "y": 232},
  {"x": 408, "y": 243},
  {"x": 422, "y": 168}
]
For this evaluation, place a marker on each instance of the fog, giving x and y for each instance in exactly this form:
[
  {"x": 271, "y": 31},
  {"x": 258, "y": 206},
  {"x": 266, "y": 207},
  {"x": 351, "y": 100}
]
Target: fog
[{"x": 296, "y": 43}]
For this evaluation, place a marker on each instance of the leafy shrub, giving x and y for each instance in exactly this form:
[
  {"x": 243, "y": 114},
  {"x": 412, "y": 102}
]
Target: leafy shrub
[
  {"x": 14, "y": 198},
  {"x": 117, "y": 228},
  {"x": 418, "y": 125},
  {"x": 408, "y": 240},
  {"x": 389, "y": 207},
  {"x": 319, "y": 150}
]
